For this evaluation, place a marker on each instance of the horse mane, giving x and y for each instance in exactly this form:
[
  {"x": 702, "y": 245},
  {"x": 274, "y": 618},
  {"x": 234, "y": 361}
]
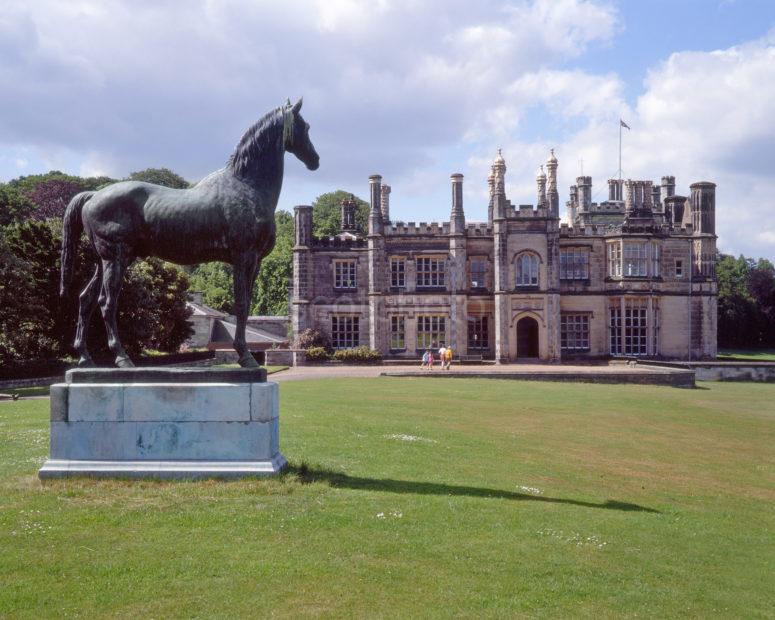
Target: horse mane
[{"x": 258, "y": 137}]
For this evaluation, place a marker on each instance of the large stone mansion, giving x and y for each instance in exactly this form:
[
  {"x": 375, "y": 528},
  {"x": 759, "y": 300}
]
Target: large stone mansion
[{"x": 632, "y": 276}]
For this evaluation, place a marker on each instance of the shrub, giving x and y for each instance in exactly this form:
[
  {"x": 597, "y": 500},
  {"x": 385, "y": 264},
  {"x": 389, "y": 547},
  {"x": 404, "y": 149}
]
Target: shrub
[
  {"x": 358, "y": 355},
  {"x": 316, "y": 354},
  {"x": 313, "y": 338}
]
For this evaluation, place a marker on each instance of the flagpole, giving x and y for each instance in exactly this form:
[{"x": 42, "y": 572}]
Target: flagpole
[{"x": 620, "y": 152}]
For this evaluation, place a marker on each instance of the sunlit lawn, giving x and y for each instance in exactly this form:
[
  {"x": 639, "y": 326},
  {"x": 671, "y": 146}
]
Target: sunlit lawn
[
  {"x": 761, "y": 355},
  {"x": 421, "y": 498}
]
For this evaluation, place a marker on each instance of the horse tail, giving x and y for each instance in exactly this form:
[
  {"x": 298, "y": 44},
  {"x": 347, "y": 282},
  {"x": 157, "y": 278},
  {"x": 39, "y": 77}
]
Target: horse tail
[{"x": 71, "y": 232}]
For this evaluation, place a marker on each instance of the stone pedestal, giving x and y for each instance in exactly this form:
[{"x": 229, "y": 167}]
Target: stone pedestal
[{"x": 164, "y": 423}]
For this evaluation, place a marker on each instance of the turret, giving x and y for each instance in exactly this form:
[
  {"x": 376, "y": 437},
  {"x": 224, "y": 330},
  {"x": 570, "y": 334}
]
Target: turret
[
  {"x": 541, "y": 188},
  {"x": 375, "y": 210},
  {"x": 552, "y": 195},
  {"x": 457, "y": 220},
  {"x": 702, "y": 203}
]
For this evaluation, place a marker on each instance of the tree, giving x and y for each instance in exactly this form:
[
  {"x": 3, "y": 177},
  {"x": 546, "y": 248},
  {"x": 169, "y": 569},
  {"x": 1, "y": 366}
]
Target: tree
[
  {"x": 327, "y": 213},
  {"x": 270, "y": 295},
  {"x": 14, "y": 205},
  {"x": 160, "y": 176},
  {"x": 152, "y": 306},
  {"x": 52, "y": 196},
  {"x": 746, "y": 302},
  {"x": 21, "y": 305},
  {"x": 214, "y": 281}
]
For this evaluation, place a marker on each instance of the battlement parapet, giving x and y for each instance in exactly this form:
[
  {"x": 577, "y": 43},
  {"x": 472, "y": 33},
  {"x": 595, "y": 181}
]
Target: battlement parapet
[
  {"x": 478, "y": 229},
  {"x": 397, "y": 229},
  {"x": 335, "y": 243}
]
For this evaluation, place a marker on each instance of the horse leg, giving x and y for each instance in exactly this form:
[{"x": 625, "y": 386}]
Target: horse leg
[
  {"x": 87, "y": 301},
  {"x": 244, "y": 267},
  {"x": 112, "y": 279}
]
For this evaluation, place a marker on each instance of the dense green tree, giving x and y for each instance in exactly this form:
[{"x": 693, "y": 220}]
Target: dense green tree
[
  {"x": 160, "y": 176},
  {"x": 21, "y": 307},
  {"x": 152, "y": 311},
  {"x": 327, "y": 213},
  {"x": 746, "y": 302},
  {"x": 14, "y": 205},
  {"x": 270, "y": 295},
  {"x": 214, "y": 281}
]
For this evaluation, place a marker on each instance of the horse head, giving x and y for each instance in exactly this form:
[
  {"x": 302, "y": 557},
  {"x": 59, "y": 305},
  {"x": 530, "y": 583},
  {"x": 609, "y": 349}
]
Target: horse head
[{"x": 296, "y": 136}]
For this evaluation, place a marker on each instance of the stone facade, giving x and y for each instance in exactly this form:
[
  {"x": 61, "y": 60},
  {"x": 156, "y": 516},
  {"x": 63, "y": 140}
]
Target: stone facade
[{"x": 632, "y": 276}]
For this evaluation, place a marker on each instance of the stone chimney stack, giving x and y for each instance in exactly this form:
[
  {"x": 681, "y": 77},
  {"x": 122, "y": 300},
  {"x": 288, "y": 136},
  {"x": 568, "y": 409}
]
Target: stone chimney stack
[
  {"x": 702, "y": 202},
  {"x": 656, "y": 198},
  {"x": 541, "y": 188},
  {"x": 375, "y": 212},
  {"x": 674, "y": 209},
  {"x": 302, "y": 216},
  {"x": 457, "y": 220},
  {"x": 551, "y": 191},
  {"x": 349, "y": 208},
  {"x": 385, "y": 203},
  {"x": 491, "y": 188},
  {"x": 584, "y": 185},
  {"x": 647, "y": 196},
  {"x": 629, "y": 199},
  {"x": 668, "y": 187},
  {"x": 615, "y": 189},
  {"x": 573, "y": 203}
]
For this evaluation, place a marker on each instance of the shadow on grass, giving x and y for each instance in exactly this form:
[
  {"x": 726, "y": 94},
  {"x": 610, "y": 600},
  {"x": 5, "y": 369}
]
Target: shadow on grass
[{"x": 307, "y": 475}]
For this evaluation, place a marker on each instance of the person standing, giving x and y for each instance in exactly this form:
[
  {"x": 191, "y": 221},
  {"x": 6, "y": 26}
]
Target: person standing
[
  {"x": 442, "y": 355},
  {"x": 447, "y": 357}
]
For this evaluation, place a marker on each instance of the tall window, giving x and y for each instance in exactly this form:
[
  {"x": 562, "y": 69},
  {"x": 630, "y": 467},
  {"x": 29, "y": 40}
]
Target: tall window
[
  {"x": 635, "y": 328},
  {"x": 431, "y": 331},
  {"x": 344, "y": 274},
  {"x": 655, "y": 256},
  {"x": 614, "y": 259},
  {"x": 635, "y": 259},
  {"x": 574, "y": 265},
  {"x": 478, "y": 273},
  {"x": 345, "y": 332},
  {"x": 478, "y": 334},
  {"x": 615, "y": 329},
  {"x": 430, "y": 272},
  {"x": 397, "y": 272},
  {"x": 527, "y": 270},
  {"x": 679, "y": 268},
  {"x": 397, "y": 338},
  {"x": 574, "y": 332}
]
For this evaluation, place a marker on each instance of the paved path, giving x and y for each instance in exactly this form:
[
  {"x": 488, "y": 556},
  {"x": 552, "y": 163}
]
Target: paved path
[{"x": 512, "y": 371}]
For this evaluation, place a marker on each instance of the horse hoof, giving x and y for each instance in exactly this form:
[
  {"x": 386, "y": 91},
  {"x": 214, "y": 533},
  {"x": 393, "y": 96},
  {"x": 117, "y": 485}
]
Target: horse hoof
[
  {"x": 86, "y": 362},
  {"x": 248, "y": 361},
  {"x": 124, "y": 362}
]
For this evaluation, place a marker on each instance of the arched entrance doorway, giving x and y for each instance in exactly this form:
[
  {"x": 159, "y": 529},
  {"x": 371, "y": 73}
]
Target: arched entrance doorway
[{"x": 527, "y": 338}]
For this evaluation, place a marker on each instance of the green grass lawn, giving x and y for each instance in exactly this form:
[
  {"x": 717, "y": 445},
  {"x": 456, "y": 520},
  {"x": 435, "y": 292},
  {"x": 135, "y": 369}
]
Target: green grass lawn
[
  {"x": 761, "y": 355},
  {"x": 421, "y": 498}
]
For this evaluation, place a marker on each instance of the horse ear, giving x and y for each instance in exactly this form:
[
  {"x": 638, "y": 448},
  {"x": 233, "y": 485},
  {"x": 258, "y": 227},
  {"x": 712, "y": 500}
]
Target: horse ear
[
  {"x": 297, "y": 105},
  {"x": 288, "y": 102}
]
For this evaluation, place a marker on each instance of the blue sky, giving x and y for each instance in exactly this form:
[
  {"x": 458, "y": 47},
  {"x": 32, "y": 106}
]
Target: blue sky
[{"x": 411, "y": 89}]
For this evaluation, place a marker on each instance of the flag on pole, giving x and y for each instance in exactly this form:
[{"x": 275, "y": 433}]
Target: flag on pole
[{"x": 623, "y": 124}]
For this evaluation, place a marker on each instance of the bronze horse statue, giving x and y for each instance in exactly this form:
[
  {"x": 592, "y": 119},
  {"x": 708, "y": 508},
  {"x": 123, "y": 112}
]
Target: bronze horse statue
[{"x": 228, "y": 216}]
